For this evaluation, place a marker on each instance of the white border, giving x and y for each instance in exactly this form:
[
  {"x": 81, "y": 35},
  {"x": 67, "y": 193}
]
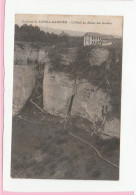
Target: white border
[{"x": 127, "y": 9}]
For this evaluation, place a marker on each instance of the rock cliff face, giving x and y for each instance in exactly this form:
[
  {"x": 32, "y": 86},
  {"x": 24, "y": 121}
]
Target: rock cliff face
[
  {"x": 43, "y": 56},
  {"x": 63, "y": 95},
  {"x": 89, "y": 102},
  {"x": 69, "y": 56},
  {"x": 26, "y": 58},
  {"x": 23, "y": 55},
  {"x": 57, "y": 92},
  {"x": 23, "y": 84},
  {"x": 111, "y": 128},
  {"x": 20, "y": 56}
]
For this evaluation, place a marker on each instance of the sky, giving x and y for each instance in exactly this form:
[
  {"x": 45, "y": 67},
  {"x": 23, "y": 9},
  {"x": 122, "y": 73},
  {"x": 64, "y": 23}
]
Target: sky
[{"x": 112, "y": 25}]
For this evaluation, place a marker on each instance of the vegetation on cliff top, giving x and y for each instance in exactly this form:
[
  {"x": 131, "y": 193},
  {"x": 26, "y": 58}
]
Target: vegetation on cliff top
[{"x": 29, "y": 33}]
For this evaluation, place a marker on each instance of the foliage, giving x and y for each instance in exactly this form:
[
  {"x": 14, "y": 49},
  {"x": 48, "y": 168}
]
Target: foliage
[
  {"x": 29, "y": 33},
  {"x": 33, "y": 34}
]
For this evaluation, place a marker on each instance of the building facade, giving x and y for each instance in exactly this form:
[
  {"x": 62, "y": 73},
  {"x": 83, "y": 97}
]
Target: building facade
[
  {"x": 92, "y": 39},
  {"x": 97, "y": 39}
]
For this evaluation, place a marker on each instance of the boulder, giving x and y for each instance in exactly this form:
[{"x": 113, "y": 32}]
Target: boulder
[
  {"x": 112, "y": 128},
  {"x": 23, "y": 85},
  {"x": 97, "y": 56}
]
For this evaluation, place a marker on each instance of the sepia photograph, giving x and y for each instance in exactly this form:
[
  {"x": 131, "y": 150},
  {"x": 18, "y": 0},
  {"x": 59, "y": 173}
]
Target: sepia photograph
[{"x": 66, "y": 104}]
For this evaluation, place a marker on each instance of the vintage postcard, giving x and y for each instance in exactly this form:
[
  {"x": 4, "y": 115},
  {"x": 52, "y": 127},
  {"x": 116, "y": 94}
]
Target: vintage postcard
[{"x": 66, "y": 97}]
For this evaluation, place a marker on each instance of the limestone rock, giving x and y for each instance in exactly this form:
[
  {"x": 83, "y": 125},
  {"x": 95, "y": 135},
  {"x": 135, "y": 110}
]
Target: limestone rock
[
  {"x": 97, "y": 56},
  {"x": 42, "y": 56},
  {"x": 23, "y": 84},
  {"x": 57, "y": 92},
  {"x": 89, "y": 102},
  {"x": 112, "y": 128},
  {"x": 25, "y": 55},
  {"x": 69, "y": 56},
  {"x": 20, "y": 56},
  {"x": 33, "y": 55}
]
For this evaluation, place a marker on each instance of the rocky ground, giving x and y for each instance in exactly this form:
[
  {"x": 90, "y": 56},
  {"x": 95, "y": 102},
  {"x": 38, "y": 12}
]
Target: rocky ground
[{"x": 42, "y": 148}]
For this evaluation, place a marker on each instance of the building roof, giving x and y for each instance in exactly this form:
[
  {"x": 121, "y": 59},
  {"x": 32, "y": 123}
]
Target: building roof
[
  {"x": 107, "y": 37},
  {"x": 93, "y": 34}
]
